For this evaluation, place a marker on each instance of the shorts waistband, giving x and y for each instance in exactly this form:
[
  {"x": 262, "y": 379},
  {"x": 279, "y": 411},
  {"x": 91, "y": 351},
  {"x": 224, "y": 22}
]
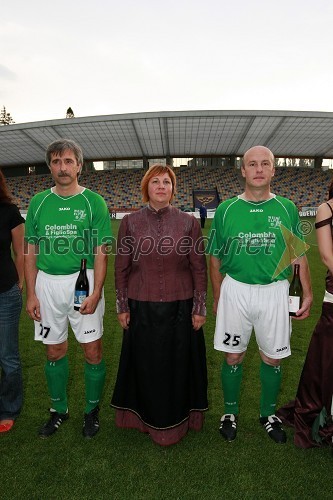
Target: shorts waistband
[
  {"x": 250, "y": 285},
  {"x": 59, "y": 277}
]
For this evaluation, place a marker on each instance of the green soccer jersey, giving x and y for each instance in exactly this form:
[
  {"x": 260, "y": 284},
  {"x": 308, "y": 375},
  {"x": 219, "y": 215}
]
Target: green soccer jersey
[
  {"x": 67, "y": 229},
  {"x": 254, "y": 240}
]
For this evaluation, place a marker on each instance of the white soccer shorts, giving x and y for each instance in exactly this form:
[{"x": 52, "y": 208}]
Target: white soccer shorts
[
  {"x": 56, "y": 299},
  {"x": 264, "y": 308}
]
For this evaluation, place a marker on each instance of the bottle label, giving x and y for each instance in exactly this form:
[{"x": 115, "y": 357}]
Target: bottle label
[
  {"x": 294, "y": 304},
  {"x": 79, "y": 297}
]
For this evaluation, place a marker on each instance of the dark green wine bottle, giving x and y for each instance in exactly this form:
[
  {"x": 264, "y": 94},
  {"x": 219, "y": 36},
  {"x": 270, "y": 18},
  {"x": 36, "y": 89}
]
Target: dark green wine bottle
[
  {"x": 295, "y": 292},
  {"x": 81, "y": 291}
]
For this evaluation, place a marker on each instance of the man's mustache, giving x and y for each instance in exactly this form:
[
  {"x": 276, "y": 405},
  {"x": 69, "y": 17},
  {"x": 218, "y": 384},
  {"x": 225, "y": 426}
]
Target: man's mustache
[{"x": 63, "y": 174}]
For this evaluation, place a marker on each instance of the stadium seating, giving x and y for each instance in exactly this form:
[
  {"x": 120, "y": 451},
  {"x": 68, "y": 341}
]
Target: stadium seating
[{"x": 121, "y": 188}]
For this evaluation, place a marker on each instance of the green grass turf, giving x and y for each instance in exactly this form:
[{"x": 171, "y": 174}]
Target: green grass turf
[{"x": 124, "y": 464}]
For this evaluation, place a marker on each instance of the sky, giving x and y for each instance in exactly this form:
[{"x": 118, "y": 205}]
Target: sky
[{"x": 127, "y": 56}]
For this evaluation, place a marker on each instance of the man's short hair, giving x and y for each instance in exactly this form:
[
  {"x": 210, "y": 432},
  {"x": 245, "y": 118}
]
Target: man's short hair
[{"x": 59, "y": 146}]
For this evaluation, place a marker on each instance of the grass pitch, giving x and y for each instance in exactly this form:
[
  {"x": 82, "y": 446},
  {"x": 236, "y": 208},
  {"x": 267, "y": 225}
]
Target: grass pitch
[{"x": 124, "y": 464}]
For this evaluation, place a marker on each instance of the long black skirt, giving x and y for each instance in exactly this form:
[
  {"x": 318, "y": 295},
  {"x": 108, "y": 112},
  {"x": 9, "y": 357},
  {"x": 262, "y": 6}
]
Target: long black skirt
[
  {"x": 310, "y": 413},
  {"x": 162, "y": 374}
]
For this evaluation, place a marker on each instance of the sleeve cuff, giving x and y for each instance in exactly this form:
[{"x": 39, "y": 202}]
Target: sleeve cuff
[
  {"x": 199, "y": 303},
  {"x": 122, "y": 301}
]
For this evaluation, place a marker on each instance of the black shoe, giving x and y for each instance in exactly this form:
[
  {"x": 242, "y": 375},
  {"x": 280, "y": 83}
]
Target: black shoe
[
  {"x": 91, "y": 423},
  {"x": 228, "y": 426},
  {"x": 273, "y": 426},
  {"x": 53, "y": 424}
]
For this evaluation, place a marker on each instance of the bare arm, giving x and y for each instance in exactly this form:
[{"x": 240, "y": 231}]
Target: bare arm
[
  {"x": 18, "y": 250},
  {"x": 216, "y": 279},
  {"x": 324, "y": 237},
  {"x": 30, "y": 271},
  {"x": 100, "y": 266},
  {"x": 304, "y": 272}
]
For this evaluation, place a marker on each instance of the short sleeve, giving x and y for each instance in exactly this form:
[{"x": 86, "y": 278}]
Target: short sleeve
[
  {"x": 15, "y": 217},
  {"x": 102, "y": 222}
]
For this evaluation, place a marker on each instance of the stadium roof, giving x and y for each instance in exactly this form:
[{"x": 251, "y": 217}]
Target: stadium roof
[{"x": 181, "y": 134}]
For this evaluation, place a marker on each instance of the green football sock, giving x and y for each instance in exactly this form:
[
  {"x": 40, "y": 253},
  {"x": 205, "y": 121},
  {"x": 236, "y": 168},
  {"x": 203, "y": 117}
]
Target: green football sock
[
  {"x": 231, "y": 378},
  {"x": 56, "y": 373},
  {"x": 270, "y": 378},
  {"x": 94, "y": 376}
]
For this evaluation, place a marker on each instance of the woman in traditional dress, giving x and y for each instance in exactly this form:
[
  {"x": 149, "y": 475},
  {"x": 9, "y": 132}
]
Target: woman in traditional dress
[
  {"x": 311, "y": 412},
  {"x": 161, "y": 283}
]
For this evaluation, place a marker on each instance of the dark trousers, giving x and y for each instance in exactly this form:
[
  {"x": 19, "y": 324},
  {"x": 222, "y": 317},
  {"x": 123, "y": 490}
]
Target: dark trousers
[{"x": 11, "y": 390}]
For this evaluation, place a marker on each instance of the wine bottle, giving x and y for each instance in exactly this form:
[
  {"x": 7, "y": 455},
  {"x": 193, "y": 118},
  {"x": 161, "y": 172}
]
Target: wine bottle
[
  {"x": 295, "y": 292},
  {"x": 81, "y": 291}
]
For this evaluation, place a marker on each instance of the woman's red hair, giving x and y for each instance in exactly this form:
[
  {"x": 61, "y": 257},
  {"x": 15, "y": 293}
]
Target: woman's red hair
[{"x": 154, "y": 171}]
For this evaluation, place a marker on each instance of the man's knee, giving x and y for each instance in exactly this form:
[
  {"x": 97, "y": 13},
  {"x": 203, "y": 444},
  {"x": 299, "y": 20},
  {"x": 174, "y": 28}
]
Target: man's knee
[
  {"x": 269, "y": 361},
  {"x": 54, "y": 352},
  {"x": 234, "y": 358},
  {"x": 93, "y": 351}
]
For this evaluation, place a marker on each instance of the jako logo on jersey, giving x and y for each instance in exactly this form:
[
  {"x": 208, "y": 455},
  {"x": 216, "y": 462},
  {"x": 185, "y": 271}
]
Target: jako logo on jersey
[
  {"x": 89, "y": 331},
  {"x": 61, "y": 209},
  {"x": 256, "y": 210}
]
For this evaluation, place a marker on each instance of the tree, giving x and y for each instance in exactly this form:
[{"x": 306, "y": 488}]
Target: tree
[
  {"x": 69, "y": 113},
  {"x": 5, "y": 118}
]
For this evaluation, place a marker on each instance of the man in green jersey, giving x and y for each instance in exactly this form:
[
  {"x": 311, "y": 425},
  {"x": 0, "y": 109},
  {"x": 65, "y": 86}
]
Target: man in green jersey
[
  {"x": 252, "y": 244},
  {"x": 65, "y": 224}
]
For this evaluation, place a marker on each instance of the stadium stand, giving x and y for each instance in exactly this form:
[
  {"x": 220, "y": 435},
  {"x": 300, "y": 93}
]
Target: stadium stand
[{"x": 121, "y": 188}]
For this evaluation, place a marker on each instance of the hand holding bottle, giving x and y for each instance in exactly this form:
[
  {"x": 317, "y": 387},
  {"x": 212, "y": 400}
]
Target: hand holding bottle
[
  {"x": 81, "y": 291},
  {"x": 295, "y": 292}
]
